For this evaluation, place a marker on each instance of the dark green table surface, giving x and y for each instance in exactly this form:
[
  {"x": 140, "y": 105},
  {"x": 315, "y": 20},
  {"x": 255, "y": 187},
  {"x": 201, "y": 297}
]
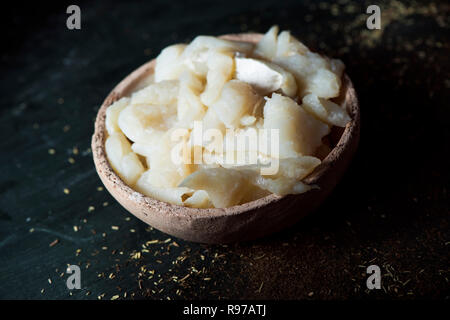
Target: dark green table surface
[{"x": 391, "y": 209}]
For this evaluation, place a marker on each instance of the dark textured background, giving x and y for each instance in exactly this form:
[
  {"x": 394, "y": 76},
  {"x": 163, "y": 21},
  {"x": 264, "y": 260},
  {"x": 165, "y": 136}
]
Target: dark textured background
[{"x": 391, "y": 209}]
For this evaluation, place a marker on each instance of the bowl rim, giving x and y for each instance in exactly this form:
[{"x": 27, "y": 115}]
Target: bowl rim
[{"x": 126, "y": 86}]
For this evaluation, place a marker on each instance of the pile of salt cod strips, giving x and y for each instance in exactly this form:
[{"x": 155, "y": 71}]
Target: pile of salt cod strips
[{"x": 221, "y": 123}]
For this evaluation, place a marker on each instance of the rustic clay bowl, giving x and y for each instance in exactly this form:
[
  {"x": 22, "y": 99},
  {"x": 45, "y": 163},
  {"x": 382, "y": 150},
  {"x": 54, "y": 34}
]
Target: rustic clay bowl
[{"x": 238, "y": 223}]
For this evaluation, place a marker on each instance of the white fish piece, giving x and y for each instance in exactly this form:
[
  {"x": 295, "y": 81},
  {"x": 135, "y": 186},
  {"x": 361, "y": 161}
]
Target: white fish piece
[
  {"x": 299, "y": 132},
  {"x": 220, "y": 70},
  {"x": 125, "y": 162},
  {"x": 200, "y": 199},
  {"x": 227, "y": 193},
  {"x": 264, "y": 76},
  {"x": 325, "y": 110},
  {"x": 237, "y": 99},
  {"x": 159, "y": 93},
  {"x": 173, "y": 195},
  {"x": 195, "y": 55},
  {"x": 267, "y": 46},
  {"x": 112, "y": 115},
  {"x": 169, "y": 64}
]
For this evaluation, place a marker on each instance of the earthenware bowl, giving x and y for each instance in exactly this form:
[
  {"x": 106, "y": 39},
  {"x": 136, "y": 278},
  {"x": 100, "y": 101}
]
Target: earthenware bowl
[{"x": 238, "y": 223}]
